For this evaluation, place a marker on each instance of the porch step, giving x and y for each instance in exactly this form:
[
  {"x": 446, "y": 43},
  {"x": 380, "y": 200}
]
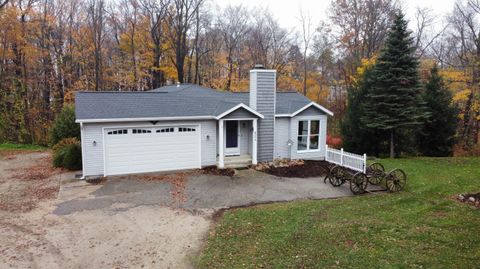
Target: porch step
[{"x": 237, "y": 161}]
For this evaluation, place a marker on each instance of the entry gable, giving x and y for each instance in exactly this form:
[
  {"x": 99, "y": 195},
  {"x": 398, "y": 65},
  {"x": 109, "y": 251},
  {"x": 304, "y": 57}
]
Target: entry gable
[
  {"x": 312, "y": 108},
  {"x": 240, "y": 111}
]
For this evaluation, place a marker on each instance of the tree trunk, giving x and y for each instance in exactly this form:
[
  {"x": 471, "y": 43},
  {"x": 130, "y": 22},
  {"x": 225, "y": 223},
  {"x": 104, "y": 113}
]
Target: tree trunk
[
  {"x": 305, "y": 74},
  {"x": 392, "y": 144}
]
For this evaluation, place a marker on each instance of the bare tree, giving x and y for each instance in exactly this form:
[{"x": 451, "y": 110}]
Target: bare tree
[
  {"x": 96, "y": 22},
  {"x": 156, "y": 11},
  {"x": 360, "y": 28},
  {"x": 180, "y": 18},
  {"x": 425, "y": 34},
  {"x": 307, "y": 35},
  {"x": 233, "y": 24},
  {"x": 3, "y": 3}
]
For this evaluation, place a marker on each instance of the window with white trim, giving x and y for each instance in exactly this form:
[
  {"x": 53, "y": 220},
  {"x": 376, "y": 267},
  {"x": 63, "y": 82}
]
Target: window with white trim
[
  {"x": 141, "y": 131},
  {"x": 166, "y": 130},
  {"x": 308, "y": 135},
  {"x": 184, "y": 129},
  {"x": 118, "y": 132}
]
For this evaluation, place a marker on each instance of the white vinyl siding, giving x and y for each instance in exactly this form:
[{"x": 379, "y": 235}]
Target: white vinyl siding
[
  {"x": 282, "y": 135},
  {"x": 94, "y": 156}
]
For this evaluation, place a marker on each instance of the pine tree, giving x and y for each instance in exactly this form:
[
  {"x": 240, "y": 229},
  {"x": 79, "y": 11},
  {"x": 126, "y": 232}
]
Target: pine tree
[
  {"x": 437, "y": 136},
  {"x": 395, "y": 101},
  {"x": 356, "y": 136}
]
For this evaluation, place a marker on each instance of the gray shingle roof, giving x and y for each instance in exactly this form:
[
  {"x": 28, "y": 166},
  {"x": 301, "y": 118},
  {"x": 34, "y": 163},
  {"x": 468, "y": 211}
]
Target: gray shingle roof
[{"x": 186, "y": 100}]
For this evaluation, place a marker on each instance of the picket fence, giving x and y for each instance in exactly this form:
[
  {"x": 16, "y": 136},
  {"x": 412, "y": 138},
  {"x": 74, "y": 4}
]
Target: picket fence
[{"x": 346, "y": 159}]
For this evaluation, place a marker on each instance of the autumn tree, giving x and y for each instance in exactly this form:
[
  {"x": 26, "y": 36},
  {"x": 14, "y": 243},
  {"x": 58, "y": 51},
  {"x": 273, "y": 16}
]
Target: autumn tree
[
  {"x": 361, "y": 28},
  {"x": 465, "y": 46},
  {"x": 156, "y": 11},
  {"x": 96, "y": 23},
  {"x": 180, "y": 17}
]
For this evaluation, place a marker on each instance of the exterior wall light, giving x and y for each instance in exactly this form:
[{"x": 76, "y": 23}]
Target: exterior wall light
[{"x": 289, "y": 143}]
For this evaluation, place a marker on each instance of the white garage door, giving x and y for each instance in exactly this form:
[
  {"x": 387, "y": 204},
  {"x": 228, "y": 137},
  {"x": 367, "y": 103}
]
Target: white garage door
[{"x": 139, "y": 150}]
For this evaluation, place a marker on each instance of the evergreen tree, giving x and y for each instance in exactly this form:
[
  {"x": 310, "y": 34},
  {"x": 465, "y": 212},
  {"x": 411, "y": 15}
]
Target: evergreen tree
[
  {"x": 64, "y": 125},
  {"x": 394, "y": 103},
  {"x": 356, "y": 136},
  {"x": 437, "y": 136}
]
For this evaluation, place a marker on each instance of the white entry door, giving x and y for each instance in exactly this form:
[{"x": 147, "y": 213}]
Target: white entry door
[
  {"x": 140, "y": 150},
  {"x": 232, "y": 147}
]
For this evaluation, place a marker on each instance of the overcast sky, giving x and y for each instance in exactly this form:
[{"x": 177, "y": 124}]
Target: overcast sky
[{"x": 287, "y": 12}]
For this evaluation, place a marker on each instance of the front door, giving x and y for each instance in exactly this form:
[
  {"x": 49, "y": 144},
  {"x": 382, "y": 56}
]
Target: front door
[{"x": 231, "y": 138}]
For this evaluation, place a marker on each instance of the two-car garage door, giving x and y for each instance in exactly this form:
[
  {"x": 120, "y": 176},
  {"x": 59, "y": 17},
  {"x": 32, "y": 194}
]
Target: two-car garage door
[{"x": 140, "y": 150}]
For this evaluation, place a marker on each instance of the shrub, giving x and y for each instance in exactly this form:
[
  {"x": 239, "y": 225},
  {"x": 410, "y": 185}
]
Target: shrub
[
  {"x": 68, "y": 154},
  {"x": 64, "y": 126},
  {"x": 65, "y": 142},
  {"x": 334, "y": 142}
]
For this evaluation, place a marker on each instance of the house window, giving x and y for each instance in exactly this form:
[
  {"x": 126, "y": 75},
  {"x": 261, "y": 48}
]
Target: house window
[
  {"x": 308, "y": 135},
  {"x": 141, "y": 131},
  {"x": 184, "y": 129},
  {"x": 118, "y": 132},
  {"x": 165, "y": 130}
]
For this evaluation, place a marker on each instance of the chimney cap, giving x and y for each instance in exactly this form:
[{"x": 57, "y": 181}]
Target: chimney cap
[{"x": 259, "y": 66}]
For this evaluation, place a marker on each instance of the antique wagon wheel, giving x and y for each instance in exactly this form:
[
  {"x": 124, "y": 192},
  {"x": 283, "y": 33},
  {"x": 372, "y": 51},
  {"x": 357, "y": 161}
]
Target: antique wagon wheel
[
  {"x": 396, "y": 180},
  {"x": 337, "y": 176},
  {"x": 376, "y": 173},
  {"x": 359, "y": 182},
  {"x": 328, "y": 173}
]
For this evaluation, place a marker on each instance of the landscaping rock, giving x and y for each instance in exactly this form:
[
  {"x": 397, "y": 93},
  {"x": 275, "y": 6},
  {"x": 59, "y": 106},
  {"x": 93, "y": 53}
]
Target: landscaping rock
[
  {"x": 294, "y": 168},
  {"x": 470, "y": 198}
]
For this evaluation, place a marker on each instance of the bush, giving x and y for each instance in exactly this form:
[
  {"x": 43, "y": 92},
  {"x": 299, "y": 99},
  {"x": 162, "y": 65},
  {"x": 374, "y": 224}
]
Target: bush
[
  {"x": 68, "y": 154},
  {"x": 65, "y": 142},
  {"x": 64, "y": 126}
]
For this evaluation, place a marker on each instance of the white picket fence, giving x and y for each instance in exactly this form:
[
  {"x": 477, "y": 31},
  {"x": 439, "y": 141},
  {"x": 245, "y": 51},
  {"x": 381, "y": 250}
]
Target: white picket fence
[{"x": 346, "y": 159}]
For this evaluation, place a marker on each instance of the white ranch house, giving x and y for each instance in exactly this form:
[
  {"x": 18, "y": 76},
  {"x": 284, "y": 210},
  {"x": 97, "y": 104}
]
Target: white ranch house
[{"x": 188, "y": 126}]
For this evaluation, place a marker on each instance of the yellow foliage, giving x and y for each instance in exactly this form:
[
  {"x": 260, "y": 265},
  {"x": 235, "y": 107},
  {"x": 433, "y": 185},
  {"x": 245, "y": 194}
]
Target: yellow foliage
[
  {"x": 366, "y": 63},
  {"x": 461, "y": 96}
]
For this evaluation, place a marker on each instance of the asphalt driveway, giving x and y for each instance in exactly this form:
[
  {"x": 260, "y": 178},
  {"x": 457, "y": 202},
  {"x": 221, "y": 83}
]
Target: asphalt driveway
[{"x": 200, "y": 192}]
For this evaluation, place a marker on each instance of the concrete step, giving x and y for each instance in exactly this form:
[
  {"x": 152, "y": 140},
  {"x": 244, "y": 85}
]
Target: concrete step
[
  {"x": 237, "y": 161},
  {"x": 237, "y": 165}
]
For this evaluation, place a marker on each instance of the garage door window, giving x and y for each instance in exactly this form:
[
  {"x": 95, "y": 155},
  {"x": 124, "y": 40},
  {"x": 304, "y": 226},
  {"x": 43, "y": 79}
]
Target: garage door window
[
  {"x": 166, "y": 130},
  {"x": 141, "y": 131},
  {"x": 118, "y": 132},
  {"x": 183, "y": 129}
]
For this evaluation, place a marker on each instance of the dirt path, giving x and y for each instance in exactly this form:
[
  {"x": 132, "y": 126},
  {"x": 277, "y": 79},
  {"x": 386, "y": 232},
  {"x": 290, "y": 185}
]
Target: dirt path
[{"x": 120, "y": 236}]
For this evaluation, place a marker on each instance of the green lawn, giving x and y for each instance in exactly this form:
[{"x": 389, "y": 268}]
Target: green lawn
[
  {"x": 28, "y": 147},
  {"x": 421, "y": 227}
]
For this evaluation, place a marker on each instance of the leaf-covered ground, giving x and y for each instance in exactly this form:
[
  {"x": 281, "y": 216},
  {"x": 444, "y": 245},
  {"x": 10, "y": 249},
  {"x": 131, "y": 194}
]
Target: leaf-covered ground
[{"x": 421, "y": 227}]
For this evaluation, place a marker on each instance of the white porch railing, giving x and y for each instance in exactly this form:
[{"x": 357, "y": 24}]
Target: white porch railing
[{"x": 346, "y": 159}]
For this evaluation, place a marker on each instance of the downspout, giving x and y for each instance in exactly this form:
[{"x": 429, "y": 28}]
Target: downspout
[{"x": 83, "y": 150}]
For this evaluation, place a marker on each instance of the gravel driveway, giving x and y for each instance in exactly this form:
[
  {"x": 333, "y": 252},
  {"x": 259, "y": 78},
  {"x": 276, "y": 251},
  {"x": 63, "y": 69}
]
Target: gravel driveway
[
  {"x": 113, "y": 234},
  {"x": 154, "y": 220}
]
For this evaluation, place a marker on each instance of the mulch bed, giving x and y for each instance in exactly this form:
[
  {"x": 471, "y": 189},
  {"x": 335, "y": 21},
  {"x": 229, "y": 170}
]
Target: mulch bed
[
  {"x": 213, "y": 170},
  {"x": 470, "y": 198},
  {"x": 303, "y": 169}
]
